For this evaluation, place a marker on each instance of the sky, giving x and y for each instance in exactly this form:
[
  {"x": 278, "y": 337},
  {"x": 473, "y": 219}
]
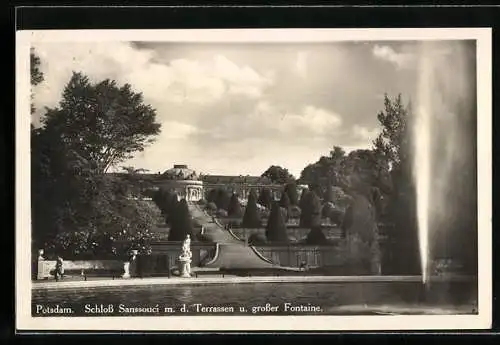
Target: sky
[{"x": 236, "y": 109}]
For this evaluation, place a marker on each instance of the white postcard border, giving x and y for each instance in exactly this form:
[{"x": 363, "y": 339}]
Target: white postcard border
[{"x": 24, "y": 320}]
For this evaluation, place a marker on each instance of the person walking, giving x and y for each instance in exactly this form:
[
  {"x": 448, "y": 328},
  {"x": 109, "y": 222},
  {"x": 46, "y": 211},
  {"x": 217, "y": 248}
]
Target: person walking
[{"x": 59, "y": 272}]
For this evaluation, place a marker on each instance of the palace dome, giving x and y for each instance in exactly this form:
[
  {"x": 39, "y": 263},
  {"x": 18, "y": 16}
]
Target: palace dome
[{"x": 180, "y": 172}]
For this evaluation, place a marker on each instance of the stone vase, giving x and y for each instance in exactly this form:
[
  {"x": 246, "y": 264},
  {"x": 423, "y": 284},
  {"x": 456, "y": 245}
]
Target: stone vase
[
  {"x": 185, "y": 267},
  {"x": 126, "y": 270}
]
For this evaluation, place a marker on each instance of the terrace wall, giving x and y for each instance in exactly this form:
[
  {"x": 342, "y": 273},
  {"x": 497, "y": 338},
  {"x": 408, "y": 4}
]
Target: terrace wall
[
  {"x": 295, "y": 234},
  {"x": 164, "y": 256}
]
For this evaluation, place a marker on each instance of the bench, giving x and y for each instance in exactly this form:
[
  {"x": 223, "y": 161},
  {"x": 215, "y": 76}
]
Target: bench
[
  {"x": 101, "y": 273},
  {"x": 197, "y": 273},
  {"x": 113, "y": 273}
]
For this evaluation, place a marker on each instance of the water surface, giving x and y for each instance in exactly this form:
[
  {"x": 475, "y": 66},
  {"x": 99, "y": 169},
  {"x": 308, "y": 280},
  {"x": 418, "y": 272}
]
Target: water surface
[{"x": 265, "y": 299}]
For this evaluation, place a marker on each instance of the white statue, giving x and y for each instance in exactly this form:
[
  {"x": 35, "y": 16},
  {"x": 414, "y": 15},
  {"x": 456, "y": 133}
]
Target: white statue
[
  {"x": 186, "y": 245},
  {"x": 185, "y": 258}
]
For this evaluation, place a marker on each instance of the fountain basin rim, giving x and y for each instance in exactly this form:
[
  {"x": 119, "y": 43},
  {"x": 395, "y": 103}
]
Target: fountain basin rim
[{"x": 243, "y": 280}]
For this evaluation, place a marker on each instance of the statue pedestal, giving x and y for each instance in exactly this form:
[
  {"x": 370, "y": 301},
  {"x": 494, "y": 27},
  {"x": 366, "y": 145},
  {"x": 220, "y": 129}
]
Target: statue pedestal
[
  {"x": 185, "y": 267},
  {"x": 126, "y": 269},
  {"x": 185, "y": 259},
  {"x": 42, "y": 270}
]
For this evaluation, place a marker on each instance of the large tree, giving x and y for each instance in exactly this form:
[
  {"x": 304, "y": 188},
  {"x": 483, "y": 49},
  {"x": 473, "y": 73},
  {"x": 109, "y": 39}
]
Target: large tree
[
  {"x": 36, "y": 74},
  {"x": 70, "y": 195},
  {"x": 367, "y": 173},
  {"x": 392, "y": 153},
  {"x": 329, "y": 195},
  {"x": 128, "y": 229},
  {"x": 58, "y": 179},
  {"x": 276, "y": 228},
  {"x": 278, "y": 174},
  {"x": 326, "y": 171},
  {"x": 251, "y": 218},
  {"x": 394, "y": 142},
  {"x": 76, "y": 212},
  {"x": 102, "y": 122},
  {"x": 393, "y": 149}
]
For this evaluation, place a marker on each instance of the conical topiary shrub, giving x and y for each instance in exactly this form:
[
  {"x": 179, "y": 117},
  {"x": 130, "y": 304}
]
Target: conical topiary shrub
[
  {"x": 234, "y": 209},
  {"x": 251, "y": 217},
  {"x": 310, "y": 215},
  {"x": 276, "y": 228},
  {"x": 291, "y": 192},
  {"x": 317, "y": 237},
  {"x": 265, "y": 197},
  {"x": 181, "y": 223}
]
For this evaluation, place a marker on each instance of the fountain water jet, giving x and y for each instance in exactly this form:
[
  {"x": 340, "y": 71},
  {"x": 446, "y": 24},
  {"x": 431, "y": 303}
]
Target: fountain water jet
[
  {"x": 440, "y": 129},
  {"x": 422, "y": 162},
  {"x": 422, "y": 179}
]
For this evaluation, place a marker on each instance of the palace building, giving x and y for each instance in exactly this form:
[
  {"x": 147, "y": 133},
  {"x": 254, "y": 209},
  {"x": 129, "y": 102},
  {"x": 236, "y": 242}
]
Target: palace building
[{"x": 192, "y": 186}]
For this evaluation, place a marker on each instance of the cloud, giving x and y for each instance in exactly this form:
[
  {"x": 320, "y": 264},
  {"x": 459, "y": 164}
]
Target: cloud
[
  {"x": 275, "y": 124},
  {"x": 173, "y": 144},
  {"x": 301, "y": 63},
  {"x": 365, "y": 134},
  {"x": 387, "y": 53},
  {"x": 209, "y": 80},
  {"x": 179, "y": 81},
  {"x": 308, "y": 119},
  {"x": 256, "y": 135},
  {"x": 409, "y": 55},
  {"x": 173, "y": 130}
]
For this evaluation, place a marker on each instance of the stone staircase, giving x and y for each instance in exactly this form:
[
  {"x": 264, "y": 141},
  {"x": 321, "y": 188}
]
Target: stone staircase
[{"x": 231, "y": 253}]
